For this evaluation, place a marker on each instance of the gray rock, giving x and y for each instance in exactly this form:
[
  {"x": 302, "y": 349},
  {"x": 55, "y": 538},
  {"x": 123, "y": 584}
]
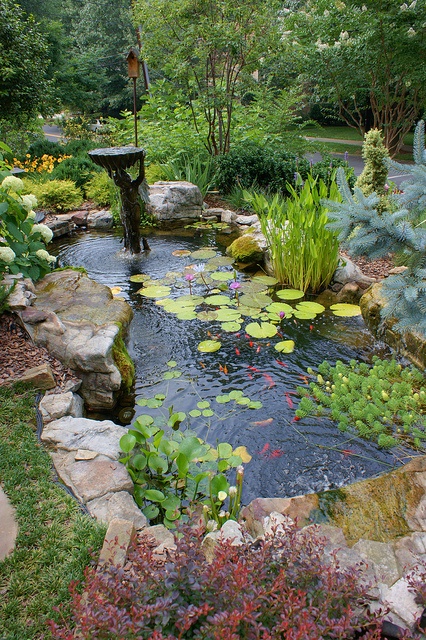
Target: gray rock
[
  {"x": 116, "y": 544},
  {"x": 230, "y": 531},
  {"x": 40, "y": 377},
  {"x": 57, "y": 405},
  {"x": 71, "y": 434},
  {"x": 21, "y": 297},
  {"x": 347, "y": 271},
  {"x": 408, "y": 550},
  {"x": 170, "y": 201},
  {"x": 246, "y": 220},
  {"x": 381, "y": 558},
  {"x": 117, "y": 505},
  {"x": 100, "y": 220},
  {"x": 276, "y": 524},
  {"x": 228, "y": 217},
  {"x": 161, "y": 536},
  {"x": 60, "y": 227},
  {"x": 91, "y": 479}
]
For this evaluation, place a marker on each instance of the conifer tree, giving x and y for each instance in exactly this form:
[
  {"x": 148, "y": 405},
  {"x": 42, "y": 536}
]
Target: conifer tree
[
  {"x": 401, "y": 228},
  {"x": 375, "y": 155}
]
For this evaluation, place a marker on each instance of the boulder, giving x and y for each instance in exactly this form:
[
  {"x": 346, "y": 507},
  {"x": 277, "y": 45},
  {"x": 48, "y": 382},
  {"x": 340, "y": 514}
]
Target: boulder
[
  {"x": 175, "y": 201},
  {"x": 246, "y": 250},
  {"x": 100, "y": 220},
  {"x": 347, "y": 271},
  {"x": 73, "y": 434},
  {"x": 57, "y": 405},
  {"x": 411, "y": 344},
  {"x": 117, "y": 505},
  {"x": 40, "y": 377},
  {"x": 80, "y": 323}
]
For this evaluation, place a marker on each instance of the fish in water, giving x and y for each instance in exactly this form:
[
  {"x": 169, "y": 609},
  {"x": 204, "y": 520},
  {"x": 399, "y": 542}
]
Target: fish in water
[{"x": 262, "y": 423}]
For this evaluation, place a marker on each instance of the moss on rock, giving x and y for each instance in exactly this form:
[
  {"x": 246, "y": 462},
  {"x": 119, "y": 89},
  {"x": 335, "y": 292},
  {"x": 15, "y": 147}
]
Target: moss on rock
[
  {"x": 245, "y": 249},
  {"x": 123, "y": 362}
]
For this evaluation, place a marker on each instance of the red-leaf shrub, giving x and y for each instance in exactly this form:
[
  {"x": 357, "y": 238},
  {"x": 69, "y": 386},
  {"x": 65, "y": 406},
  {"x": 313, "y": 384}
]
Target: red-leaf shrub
[{"x": 273, "y": 589}]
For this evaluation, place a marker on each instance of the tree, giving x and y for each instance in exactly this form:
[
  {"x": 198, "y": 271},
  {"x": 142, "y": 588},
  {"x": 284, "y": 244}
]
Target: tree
[
  {"x": 25, "y": 91},
  {"x": 366, "y": 56},
  {"x": 210, "y": 51}
]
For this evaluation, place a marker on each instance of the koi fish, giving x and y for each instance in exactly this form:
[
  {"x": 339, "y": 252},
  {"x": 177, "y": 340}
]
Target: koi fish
[
  {"x": 253, "y": 369},
  {"x": 251, "y": 343},
  {"x": 224, "y": 369},
  {"x": 258, "y": 349},
  {"x": 289, "y": 400},
  {"x": 265, "y": 449},
  {"x": 237, "y": 335},
  {"x": 311, "y": 326},
  {"x": 276, "y": 453},
  {"x": 249, "y": 376},
  {"x": 269, "y": 379},
  {"x": 237, "y": 351},
  {"x": 305, "y": 379},
  {"x": 280, "y": 362},
  {"x": 262, "y": 423},
  {"x": 296, "y": 419},
  {"x": 202, "y": 364},
  {"x": 347, "y": 452}
]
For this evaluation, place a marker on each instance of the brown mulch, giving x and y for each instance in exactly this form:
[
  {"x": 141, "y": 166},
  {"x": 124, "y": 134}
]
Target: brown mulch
[{"x": 18, "y": 353}]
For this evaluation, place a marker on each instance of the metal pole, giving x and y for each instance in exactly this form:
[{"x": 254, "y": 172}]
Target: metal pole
[{"x": 135, "y": 112}]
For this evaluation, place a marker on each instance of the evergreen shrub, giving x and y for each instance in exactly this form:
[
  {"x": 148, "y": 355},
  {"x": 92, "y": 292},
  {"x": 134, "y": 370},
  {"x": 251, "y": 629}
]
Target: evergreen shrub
[
  {"x": 79, "y": 169},
  {"x": 62, "y": 195}
]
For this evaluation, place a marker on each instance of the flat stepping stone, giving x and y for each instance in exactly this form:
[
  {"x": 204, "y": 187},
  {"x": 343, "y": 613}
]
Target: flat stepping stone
[{"x": 8, "y": 526}]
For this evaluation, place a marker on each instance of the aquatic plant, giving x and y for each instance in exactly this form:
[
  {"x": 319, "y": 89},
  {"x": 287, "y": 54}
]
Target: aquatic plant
[
  {"x": 278, "y": 588},
  {"x": 384, "y": 402},
  {"x": 304, "y": 253},
  {"x": 176, "y": 472}
]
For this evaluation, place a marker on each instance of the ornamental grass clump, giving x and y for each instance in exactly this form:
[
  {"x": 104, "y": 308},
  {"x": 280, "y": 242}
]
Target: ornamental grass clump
[
  {"x": 384, "y": 402},
  {"x": 303, "y": 252},
  {"x": 279, "y": 588}
]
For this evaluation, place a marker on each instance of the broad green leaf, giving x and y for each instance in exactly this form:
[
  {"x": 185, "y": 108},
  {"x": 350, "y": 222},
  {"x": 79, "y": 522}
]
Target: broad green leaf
[
  {"x": 221, "y": 261},
  {"x": 304, "y": 315},
  {"x": 169, "y": 375},
  {"x": 127, "y": 442},
  {"x": 208, "y": 413},
  {"x": 157, "y": 464},
  {"x": 209, "y": 346},
  {"x": 217, "y": 300},
  {"x": 255, "y": 404},
  {"x": 140, "y": 277},
  {"x": 144, "y": 420},
  {"x": 159, "y": 291},
  {"x": 203, "y": 404},
  {"x": 191, "y": 447},
  {"x": 243, "y": 401},
  {"x": 195, "y": 413},
  {"x": 231, "y": 327},
  {"x": 277, "y": 307},
  {"x": 191, "y": 300},
  {"x": 151, "y": 511},
  {"x": 207, "y": 316},
  {"x": 224, "y": 450},
  {"x": 345, "y": 310},
  {"x": 235, "y": 394},
  {"x": 203, "y": 254},
  {"x": 257, "y": 300},
  {"x": 139, "y": 461},
  {"x": 154, "y": 403},
  {"x": 171, "y": 502},
  {"x": 308, "y": 305},
  {"x": 249, "y": 286},
  {"x": 172, "y": 514},
  {"x": 285, "y": 346},
  {"x": 187, "y": 314},
  {"x": 234, "y": 461},
  {"x": 219, "y": 483},
  {"x": 222, "y": 276},
  {"x": 289, "y": 294},
  {"x": 165, "y": 447},
  {"x": 182, "y": 464},
  {"x": 223, "y": 465},
  {"x": 176, "y": 418},
  {"x": 139, "y": 495},
  {"x": 154, "y": 495},
  {"x": 223, "y": 399},
  {"x": 269, "y": 281},
  {"x": 172, "y": 364},
  {"x": 225, "y": 314},
  {"x": 262, "y": 330}
]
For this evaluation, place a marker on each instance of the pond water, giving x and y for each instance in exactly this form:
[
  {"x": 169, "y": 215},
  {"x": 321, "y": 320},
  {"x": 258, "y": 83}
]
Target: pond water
[{"x": 288, "y": 457}]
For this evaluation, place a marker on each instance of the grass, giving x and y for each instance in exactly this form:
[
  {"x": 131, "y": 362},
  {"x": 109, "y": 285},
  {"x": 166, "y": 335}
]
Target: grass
[{"x": 55, "y": 539}]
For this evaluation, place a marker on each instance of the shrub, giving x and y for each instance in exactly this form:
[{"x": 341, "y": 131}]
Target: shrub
[
  {"x": 196, "y": 168},
  {"x": 251, "y": 164},
  {"x": 45, "y": 147},
  {"x": 374, "y": 175},
  {"x": 325, "y": 170},
  {"x": 279, "y": 588},
  {"x": 62, "y": 195},
  {"x": 79, "y": 169},
  {"x": 22, "y": 243},
  {"x": 102, "y": 190}
]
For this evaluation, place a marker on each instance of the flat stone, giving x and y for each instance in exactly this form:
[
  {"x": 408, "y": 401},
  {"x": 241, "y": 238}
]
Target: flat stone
[
  {"x": 408, "y": 550},
  {"x": 246, "y": 220},
  {"x": 228, "y": 217},
  {"x": 31, "y": 315},
  {"x": 298, "y": 508},
  {"x": 21, "y": 297},
  {"x": 402, "y": 601},
  {"x": 72, "y": 434},
  {"x": 84, "y": 454},
  {"x": 40, "y": 377},
  {"x": 91, "y": 479},
  {"x": 117, "y": 505},
  {"x": 60, "y": 227},
  {"x": 8, "y": 526},
  {"x": 58, "y": 405},
  {"x": 79, "y": 218},
  {"x": 116, "y": 543},
  {"x": 230, "y": 531},
  {"x": 348, "y": 271},
  {"x": 350, "y": 293},
  {"x": 381, "y": 558},
  {"x": 161, "y": 536}
]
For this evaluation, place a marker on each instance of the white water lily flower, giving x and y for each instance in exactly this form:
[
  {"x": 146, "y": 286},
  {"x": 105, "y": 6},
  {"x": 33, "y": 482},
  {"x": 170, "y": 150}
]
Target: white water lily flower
[
  {"x": 12, "y": 183},
  {"x": 45, "y": 232},
  {"x": 7, "y": 255}
]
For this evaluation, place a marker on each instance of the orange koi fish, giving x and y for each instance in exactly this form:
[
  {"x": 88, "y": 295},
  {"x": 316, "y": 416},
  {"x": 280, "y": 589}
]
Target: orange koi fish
[
  {"x": 276, "y": 453},
  {"x": 269, "y": 379},
  {"x": 265, "y": 449},
  {"x": 262, "y": 423},
  {"x": 280, "y": 362},
  {"x": 289, "y": 400},
  {"x": 237, "y": 351}
]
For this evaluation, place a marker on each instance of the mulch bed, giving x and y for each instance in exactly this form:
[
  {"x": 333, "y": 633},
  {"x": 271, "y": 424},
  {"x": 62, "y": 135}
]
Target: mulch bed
[{"x": 18, "y": 353}]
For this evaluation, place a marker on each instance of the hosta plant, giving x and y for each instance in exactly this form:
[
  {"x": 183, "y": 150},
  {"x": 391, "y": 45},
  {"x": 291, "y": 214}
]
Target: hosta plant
[
  {"x": 384, "y": 402},
  {"x": 278, "y": 588}
]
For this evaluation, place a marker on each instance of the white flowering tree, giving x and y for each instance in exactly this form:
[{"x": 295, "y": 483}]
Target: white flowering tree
[
  {"x": 367, "y": 57},
  {"x": 22, "y": 242}
]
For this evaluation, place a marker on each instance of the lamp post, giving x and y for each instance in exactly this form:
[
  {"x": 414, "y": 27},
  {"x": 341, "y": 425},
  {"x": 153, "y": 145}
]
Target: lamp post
[{"x": 133, "y": 71}]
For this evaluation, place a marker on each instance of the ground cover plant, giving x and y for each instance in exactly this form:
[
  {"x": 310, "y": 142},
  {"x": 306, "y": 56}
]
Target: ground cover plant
[
  {"x": 54, "y": 537},
  {"x": 278, "y": 588},
  {"x": 384, "y": 402}
]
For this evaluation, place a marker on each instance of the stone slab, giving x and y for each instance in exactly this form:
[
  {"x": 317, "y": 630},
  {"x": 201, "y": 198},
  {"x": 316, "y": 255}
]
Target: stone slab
[
  {"x": 71, "y": 434},
  {"x": 40, "y": 377},
  {"x": 116, "y": 543},
  {"x": 117, "y": 505},
  {"x": 8, "y": 526}
]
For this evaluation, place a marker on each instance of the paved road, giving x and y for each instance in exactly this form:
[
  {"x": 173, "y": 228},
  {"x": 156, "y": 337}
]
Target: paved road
[{"x": 53, "y": 133}]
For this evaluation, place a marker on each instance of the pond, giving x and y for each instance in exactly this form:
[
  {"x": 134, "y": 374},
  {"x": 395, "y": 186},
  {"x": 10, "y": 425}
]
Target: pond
[{"x": 288, "y": 457}]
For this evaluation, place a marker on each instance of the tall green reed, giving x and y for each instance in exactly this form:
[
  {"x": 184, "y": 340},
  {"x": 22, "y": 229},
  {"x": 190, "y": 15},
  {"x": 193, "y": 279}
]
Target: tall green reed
[
  {"x": 198, "y": 169},
  {"x": 303, "y": 252}
]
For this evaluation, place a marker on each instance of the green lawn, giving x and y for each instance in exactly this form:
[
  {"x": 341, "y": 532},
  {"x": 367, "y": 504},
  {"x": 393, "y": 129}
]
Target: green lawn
[
  {"x": 343, "y": 133},
  {"x": 55, "y": 539}
]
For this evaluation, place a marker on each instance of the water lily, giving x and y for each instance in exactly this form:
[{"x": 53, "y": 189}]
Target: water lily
[
  {"x": 234, "y": 286},
  {"x": 190, "y": 277}
]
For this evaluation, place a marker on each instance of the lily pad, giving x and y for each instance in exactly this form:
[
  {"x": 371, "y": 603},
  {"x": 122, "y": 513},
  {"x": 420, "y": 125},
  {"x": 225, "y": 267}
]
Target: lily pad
[
  {"x": 277, "y": 307},
  {"x": 207, "y": 316},
  {"x": 307, "y": 305},
  {"x": 304, "y": 315},
  {"x": 186, "y": 314},
  {"x": 203, "y": 254},
  {"x": 225, "y": 314},
  {"x": 218, "y": 300},
  {"x": 222, "y": 276},
  {"x": 255, "y": 300},
  {"x": 231, "y": 326},
  {"x": 159, "y": 291},
  {"x": 290, "y": 294},
  {"x": 285, "y": 346},
  {"x": 243, "y": 453},
  {"x": 250, "y": 312},
  {"x": 140, "y": 277},
  {"x": 221, "y": 261},
  {"x": 269, "y": 281},
  {"x": 250, "y": 286},
  {"x": 188, "y": 300},
  {"x": 115, "y": 290},
  {"x": 262, "y": 330},
  {"x": 209, "y": 346},
  {"x": 181, "y": 253},
  {"x": 345, "y": 310}
]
